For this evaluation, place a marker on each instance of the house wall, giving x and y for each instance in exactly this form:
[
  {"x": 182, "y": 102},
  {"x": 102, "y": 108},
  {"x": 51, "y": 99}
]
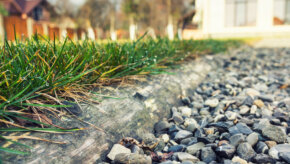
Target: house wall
[{"x": 214, "y": 25}]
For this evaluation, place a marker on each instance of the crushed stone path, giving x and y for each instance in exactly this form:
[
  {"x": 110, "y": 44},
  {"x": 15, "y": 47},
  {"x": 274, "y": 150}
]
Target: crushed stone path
[{"x": 238, "y": 114}]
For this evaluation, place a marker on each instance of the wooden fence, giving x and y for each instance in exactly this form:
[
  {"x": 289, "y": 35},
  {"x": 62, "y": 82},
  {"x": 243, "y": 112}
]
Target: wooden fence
[
  {"x": 15, "y": 26},
  {"x": 24, "y": 28}
]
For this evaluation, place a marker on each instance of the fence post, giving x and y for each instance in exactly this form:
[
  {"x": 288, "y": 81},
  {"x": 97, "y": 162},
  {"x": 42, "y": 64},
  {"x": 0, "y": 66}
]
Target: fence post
[
  {"x": 45, "y": 29},
  {"x": 62, "y": 32},
  {"x": 2, "y": 31},
  {"x": 29, "y": 22}
]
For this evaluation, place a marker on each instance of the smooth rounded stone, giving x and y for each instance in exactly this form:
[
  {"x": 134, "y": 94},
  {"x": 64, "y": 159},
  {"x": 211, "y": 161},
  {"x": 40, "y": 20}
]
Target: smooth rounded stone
[
  {"x": 245, "y": 151},
  {"x": 197, "y": 105},
  {"x": 274, "y": 133},
  {"x": 239, "y": 160},
  {"x": 177, "y": 148},
  {"x": 266, "y": 98},
  {"x": 174, "y": 128},
  {"x": 207, "y": 154},
  {"x": 261, "y": 147},
  {"x": 203, "y": 123},
  {"x": 136, "y": 149},
  {"x": 177, "y": 118},
  {"x": 226, "y": 151},
  {"x": 276, "y": 150},
  {"x": 261, "y": 124},
  {"x": 253, "y": 109},
  {"x": 263, "y": 158},
  {"x": 225, "y": 136},
  {"x": 189, "y": 121},
  {"x": 243, "y": 128},
  {"x": 200, "y": 162},
  {"x": 253, "y": 138},
  {"x": 187, "y": 162},
  {"x": 270, "y": 144},
  {"x": 231, "y": 115},
  {"x": 259, "y": 103},
  {"x": 285, "y": 156},
  {"x": 248, "y": 101},
  {"x": 186, "y": 100},
  {"x": 220, "y": 117},
  {"x": 227, "y": 161},
  {"x": 209, "y": 131},
  {"x": 212, "y": 103},
  {"x": 132, "y": 158},
  {"x": 204, "y": 112},
  {"x": 244, "y": 110},
  {"x": 172, "y": 142},
  {"x": 165, "y": 149},
  {"x": 208, "y": 139},
  {"x": 170, "y": 162},
  {"x": 247, "y": 121},
  {"x": 165, "y": 137},
  {"x": 252, "y": 92},
  {"x": 191, "y": 127},
  {"x": 117, "y": 149},
  {"x": 275, "y": 121},
  {"x": 182, "y": 134},
  {"x": 266, "y": 113},
  {"x": 199, "y": 133},
  {"x": 222, "y": 126},
  {"x": 185, "y": 111},
  {"x": 193, "y": 149},
  {"x": 182, "y": 156},
  {"x": 149, "y": 139},
  {"x": 236, "y": 139},
  {"x": 161, "y": 126},
  {"x": 189, "y": 140}
]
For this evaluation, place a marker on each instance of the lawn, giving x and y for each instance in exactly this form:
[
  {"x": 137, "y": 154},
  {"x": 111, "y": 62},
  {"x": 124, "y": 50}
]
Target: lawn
[{"x": 37, "y": 75}]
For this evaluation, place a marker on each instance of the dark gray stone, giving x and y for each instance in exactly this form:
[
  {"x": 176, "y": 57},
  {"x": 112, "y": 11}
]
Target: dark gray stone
[
  {"x": 186, "y": 141},
  {"x": 276, "y": 150},
  {"x": 177, "y": 148},
  {"x": 245, "y": 151},
  {"x": 226, "y": 151},
  {"x": 274, "y": 133},
  {"x": 243, "y": 128},
  {"x": 263, "y": 158},
  {"x": 182, "y": 134},
  {"x": 207, "y": 154},
  {"x": 161, "y": 126},
  {"x": 285, "y": 156},
  {"x": 193, "y": 149},
  {"x": 236, "y": 139},
  {"x": 261, "y": 147}
]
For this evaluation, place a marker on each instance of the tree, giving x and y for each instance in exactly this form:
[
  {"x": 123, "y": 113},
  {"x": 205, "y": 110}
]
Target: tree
[{"x": 97, "y": 12}]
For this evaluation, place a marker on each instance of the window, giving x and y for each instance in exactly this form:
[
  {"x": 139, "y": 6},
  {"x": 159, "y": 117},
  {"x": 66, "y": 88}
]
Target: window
[
  {"x": 241, "y": 13},
  {"x": 281, "y": 12},
  {"x": 37, "y": 13}
]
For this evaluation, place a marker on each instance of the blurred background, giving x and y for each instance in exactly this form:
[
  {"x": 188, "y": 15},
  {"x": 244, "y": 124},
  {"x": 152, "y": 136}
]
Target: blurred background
[{"x": 129, "y": 19}]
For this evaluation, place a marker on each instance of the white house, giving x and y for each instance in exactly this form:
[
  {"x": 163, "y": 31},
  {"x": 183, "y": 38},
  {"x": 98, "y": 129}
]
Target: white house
[{"x": 240, "y": 18}]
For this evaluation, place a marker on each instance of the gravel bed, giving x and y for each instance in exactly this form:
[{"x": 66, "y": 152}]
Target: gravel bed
[{"x": 239, "y": 114}]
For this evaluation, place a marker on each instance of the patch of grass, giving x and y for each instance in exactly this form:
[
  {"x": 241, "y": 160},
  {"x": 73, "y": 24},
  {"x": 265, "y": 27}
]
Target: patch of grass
[{"x": 37, "y": 75}]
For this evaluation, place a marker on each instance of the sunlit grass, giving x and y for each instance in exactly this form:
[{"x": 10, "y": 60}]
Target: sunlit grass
[{"x": 37, "y": 75}]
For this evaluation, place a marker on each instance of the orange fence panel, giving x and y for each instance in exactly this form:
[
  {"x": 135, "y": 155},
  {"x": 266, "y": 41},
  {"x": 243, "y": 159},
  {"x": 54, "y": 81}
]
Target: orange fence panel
[
  {"x": 17, "y": 24},
  {"x": 38, "y": 28},
  {"x": 53, "y": 31}
]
